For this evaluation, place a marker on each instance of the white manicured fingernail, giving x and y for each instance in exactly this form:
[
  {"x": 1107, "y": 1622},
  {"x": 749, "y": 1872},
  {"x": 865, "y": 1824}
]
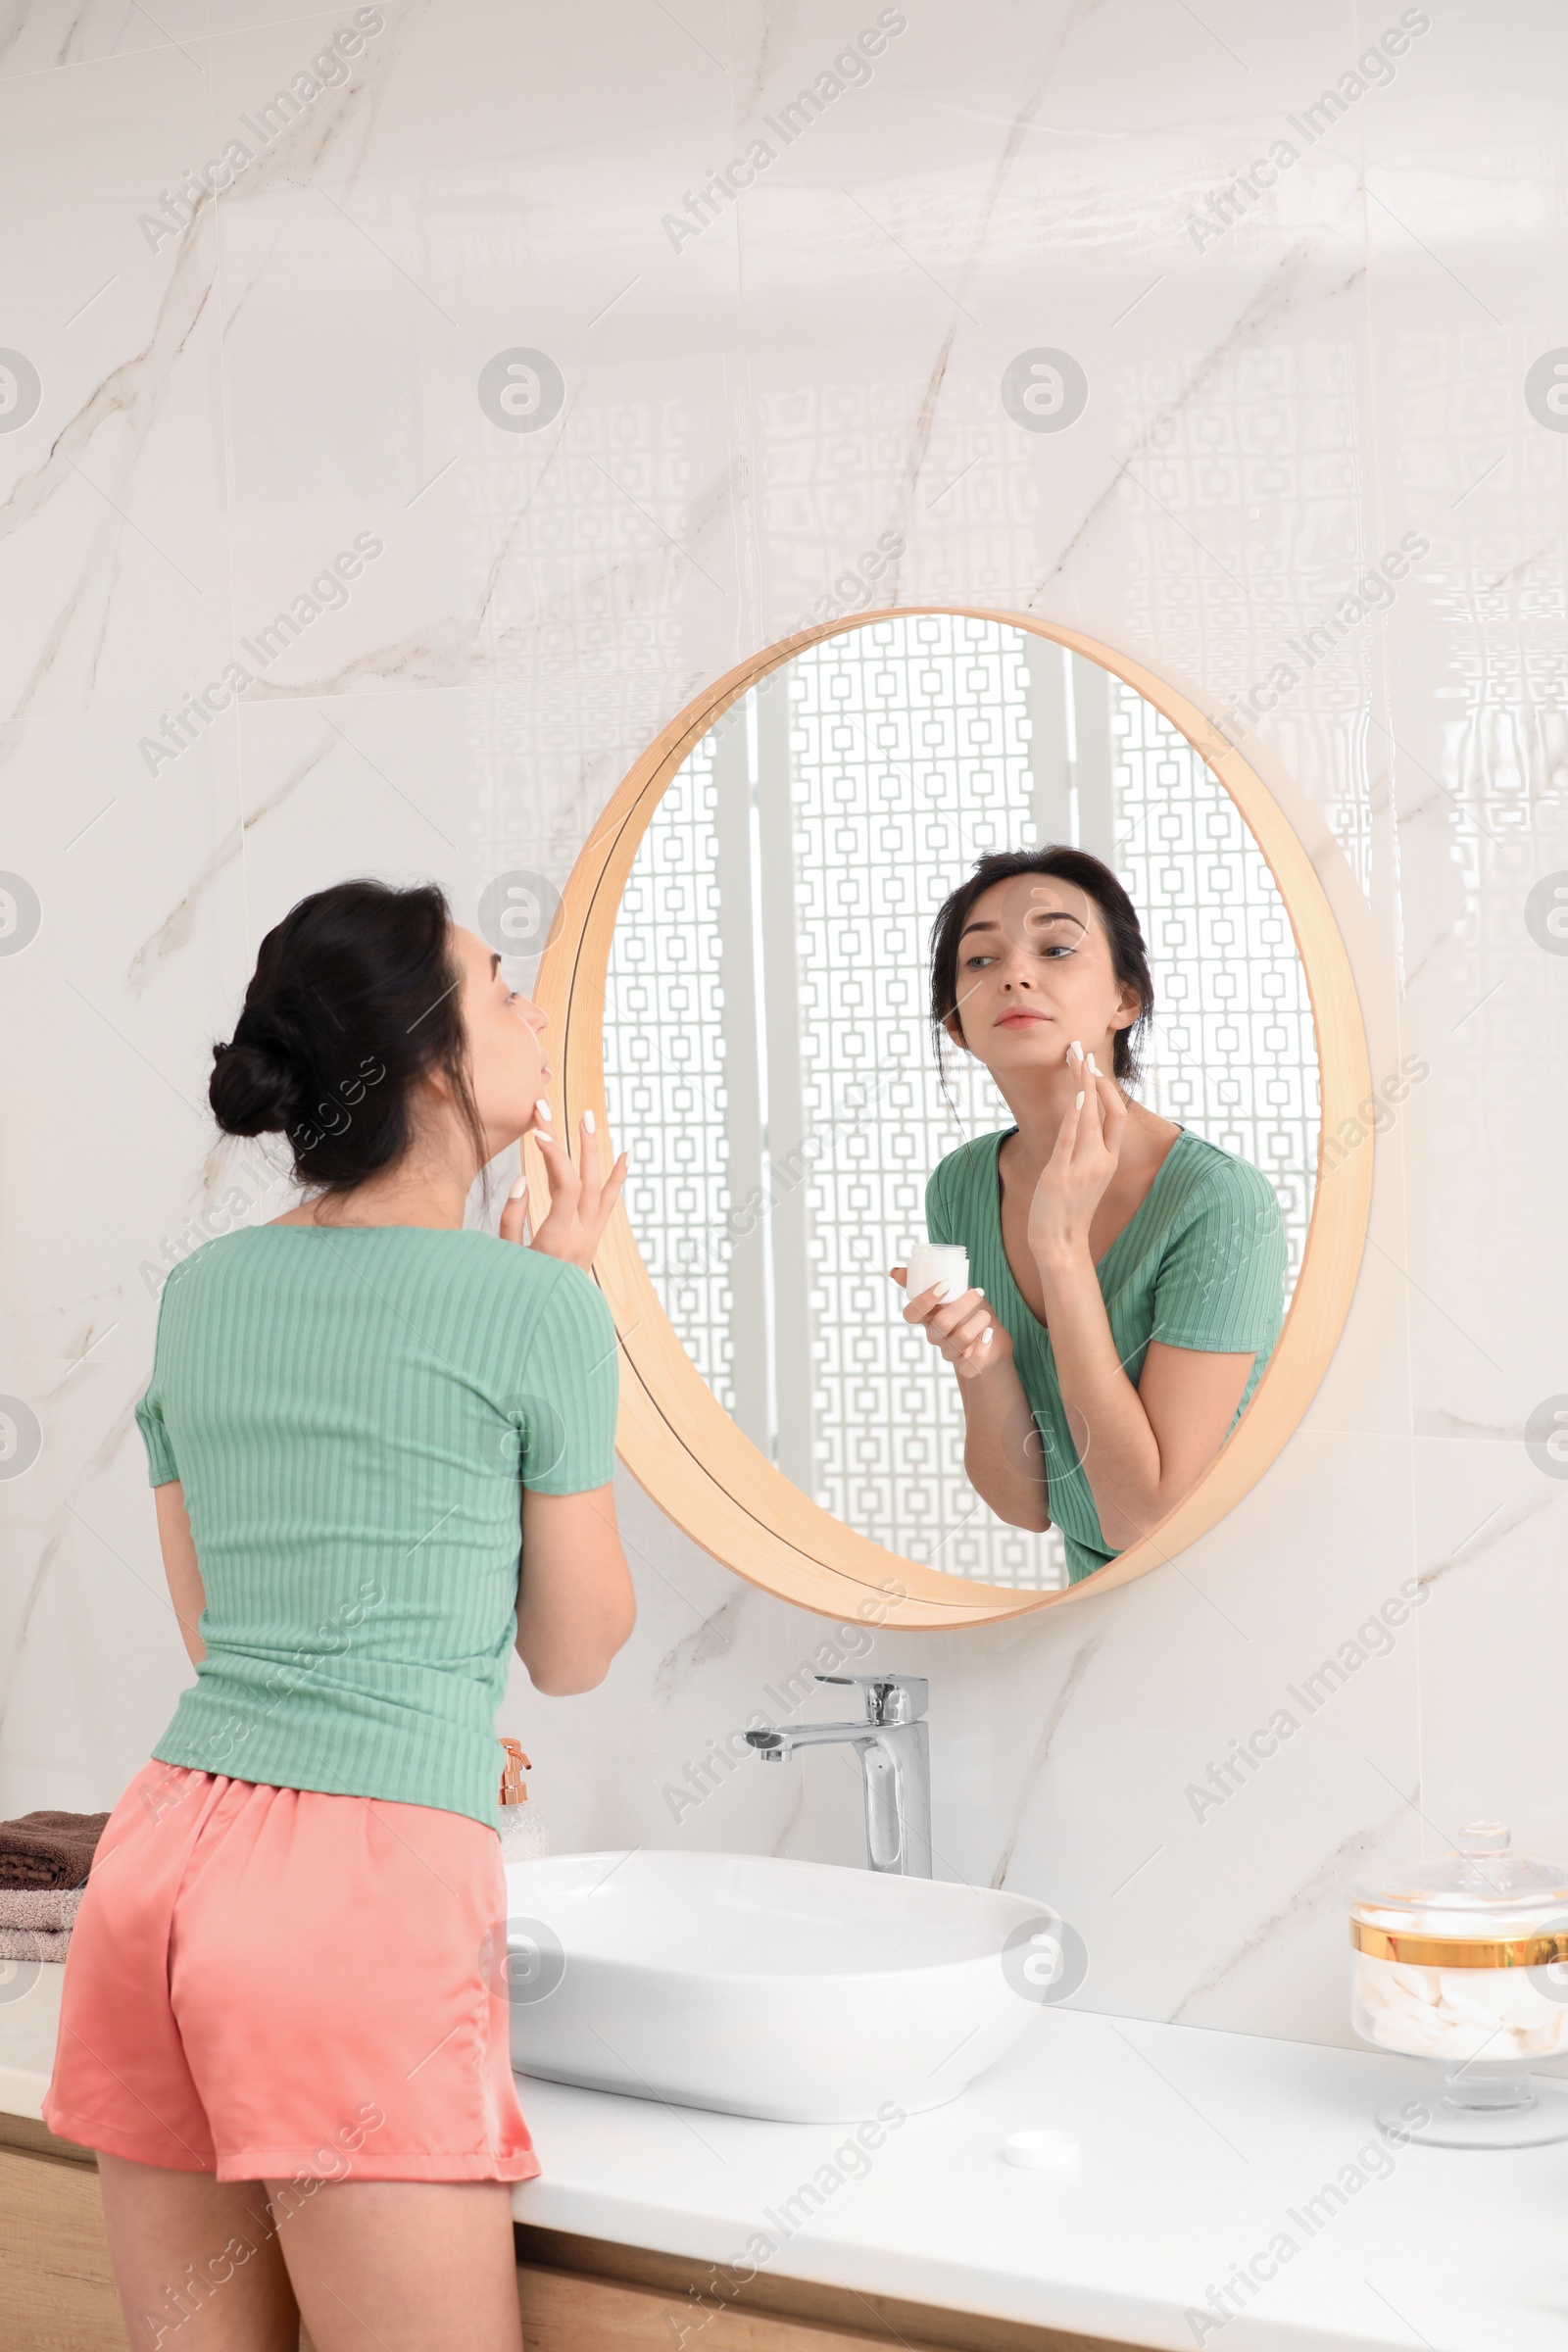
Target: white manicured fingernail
[
  {"x": 985, "y": 1336},
  {"x": 1076, "y": 1048},
  {"x": 939, "y": 1290},
  {"x": 1093, "y": 1069},
  {"x": 519, "y": 1190},
  {"x": 588, "y": 1120},
  {"x": 541, "y": 1110},
  {"x": 978, "y": 1292},
  {"x": 1079, "y": 1103}
]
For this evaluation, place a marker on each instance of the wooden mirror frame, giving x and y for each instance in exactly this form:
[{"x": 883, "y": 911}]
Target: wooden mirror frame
[{"x": 674, "y": 1436}]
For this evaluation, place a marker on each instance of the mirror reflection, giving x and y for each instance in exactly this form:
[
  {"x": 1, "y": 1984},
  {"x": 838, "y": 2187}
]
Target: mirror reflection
[{"x": 808, "y": 890}]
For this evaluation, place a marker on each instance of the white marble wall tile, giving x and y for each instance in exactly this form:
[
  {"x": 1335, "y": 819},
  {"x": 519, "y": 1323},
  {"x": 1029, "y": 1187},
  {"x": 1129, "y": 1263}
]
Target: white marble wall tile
[
  {"x": 113, "y": 534},
  {"x": 386, "y": 253},
  {"x": 109, "y": 1150},
  {"x": 1481, "y": 715},
  {"x": 1490, "y": 1521},
  {"x": 43, "y": 37}
]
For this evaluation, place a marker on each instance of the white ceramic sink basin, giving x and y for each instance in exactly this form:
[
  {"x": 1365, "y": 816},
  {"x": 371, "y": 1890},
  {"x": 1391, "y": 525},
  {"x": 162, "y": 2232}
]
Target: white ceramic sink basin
[{"x": 793, "y": 1991}]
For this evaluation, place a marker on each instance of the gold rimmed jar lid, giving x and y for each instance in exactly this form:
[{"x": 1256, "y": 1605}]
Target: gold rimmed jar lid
[
  {"x": 1459, "y": 1951},
  {"x": 1481, "y": 1905}
]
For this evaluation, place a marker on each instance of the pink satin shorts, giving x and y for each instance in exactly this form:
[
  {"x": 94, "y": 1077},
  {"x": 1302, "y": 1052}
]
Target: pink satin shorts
[{"x": 275, "y": 1983}]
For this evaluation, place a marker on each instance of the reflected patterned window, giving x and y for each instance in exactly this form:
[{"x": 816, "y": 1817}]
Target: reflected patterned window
[
  {"x": 909, "y": 756},
  {"x": 1231, "y": 1050},
  {"x": 768, "y": 1056},
  {"x": 662, "y": 1070}
]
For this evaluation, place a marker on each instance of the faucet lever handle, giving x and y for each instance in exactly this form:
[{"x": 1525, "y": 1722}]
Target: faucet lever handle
[{"x": 889, "y": 1697}]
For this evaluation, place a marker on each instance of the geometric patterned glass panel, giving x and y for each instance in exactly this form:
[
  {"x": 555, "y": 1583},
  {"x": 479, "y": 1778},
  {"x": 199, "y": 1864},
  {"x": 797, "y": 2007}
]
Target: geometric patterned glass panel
[
  {"x": 663, "y": 1074},
  {"x": 1231, "y": 1050},
  {"x": 911, "y": 760}
]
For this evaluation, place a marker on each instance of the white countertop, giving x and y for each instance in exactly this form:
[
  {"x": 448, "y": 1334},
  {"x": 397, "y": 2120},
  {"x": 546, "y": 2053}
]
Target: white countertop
[{"x": 1195, "y": 2149}]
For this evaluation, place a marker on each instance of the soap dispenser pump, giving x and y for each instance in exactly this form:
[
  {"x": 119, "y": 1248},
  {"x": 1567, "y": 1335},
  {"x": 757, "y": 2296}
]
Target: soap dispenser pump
[{"x": 524, "y": 1836}]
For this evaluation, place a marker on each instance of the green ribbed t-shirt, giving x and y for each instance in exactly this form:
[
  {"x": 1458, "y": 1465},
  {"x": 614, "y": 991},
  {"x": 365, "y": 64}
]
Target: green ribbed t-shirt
[
  {"x": 353, "y": 1414},
  {"x": 1200, "y": 1263}
]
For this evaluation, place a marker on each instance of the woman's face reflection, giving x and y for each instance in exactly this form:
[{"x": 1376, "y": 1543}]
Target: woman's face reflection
[{"x": 1034, "y": 975}]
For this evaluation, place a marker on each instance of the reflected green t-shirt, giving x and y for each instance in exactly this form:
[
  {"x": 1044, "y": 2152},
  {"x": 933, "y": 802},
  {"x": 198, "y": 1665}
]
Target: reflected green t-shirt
[
  {"x": 352, "y": 1413},
  {"x": 1200, "y": 1264}
]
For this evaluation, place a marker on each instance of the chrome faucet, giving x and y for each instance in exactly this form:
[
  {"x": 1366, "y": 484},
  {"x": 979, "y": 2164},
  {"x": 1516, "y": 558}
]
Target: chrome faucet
[{"x": 892, "y": 1745}]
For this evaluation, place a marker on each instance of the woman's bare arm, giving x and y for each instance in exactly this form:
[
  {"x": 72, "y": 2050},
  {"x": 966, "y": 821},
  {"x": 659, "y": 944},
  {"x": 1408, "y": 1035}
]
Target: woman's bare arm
[
  {"x": 186, "y": 1588},
  {"x": 575, "y": 1606},
  {"x": 1004, "y": 1459},
  {"x": 1144, "y": 1448},
  {"x": 1147, "y": 1446}
]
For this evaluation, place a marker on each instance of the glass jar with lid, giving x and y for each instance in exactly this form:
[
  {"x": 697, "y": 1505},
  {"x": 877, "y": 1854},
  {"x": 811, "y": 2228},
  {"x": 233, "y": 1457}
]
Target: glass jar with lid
[{"x": 1463, "y": 1960}]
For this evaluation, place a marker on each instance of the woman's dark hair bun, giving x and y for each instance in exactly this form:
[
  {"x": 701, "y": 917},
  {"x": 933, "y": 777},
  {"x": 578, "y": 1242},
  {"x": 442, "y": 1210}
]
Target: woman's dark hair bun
[
  {"x": 354, "y": 1001},
  {"x": 254, "y": 1091}
]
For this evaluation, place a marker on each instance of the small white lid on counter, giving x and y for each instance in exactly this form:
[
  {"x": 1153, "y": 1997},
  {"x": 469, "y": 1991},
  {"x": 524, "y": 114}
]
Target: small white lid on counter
[{"x": 1041, "y": 2150}]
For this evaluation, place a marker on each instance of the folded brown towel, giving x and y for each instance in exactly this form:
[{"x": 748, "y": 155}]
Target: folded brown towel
[
  {"x": 28, "y": 1944},
  {"x": 49, "y": 1849},
  {"x": 51, "y": 1908}
]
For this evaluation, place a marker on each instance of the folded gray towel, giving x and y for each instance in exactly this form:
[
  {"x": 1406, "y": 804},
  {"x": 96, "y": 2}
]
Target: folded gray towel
[
  {"x": 52, "y": 1908},
  {"x": 33, "y": 1943}
]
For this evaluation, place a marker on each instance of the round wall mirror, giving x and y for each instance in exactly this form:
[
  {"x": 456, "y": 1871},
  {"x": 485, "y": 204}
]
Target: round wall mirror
[{"x": 741, "y": 969}]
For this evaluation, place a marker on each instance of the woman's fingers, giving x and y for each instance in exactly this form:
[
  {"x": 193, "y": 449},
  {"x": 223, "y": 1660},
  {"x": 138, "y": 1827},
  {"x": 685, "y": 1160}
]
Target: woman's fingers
[
  {"x": 963, "y": 1328},
  {"x": 966, "y": 1333},
  {"x": 588, "y": 1155},
  {"x": 900, "y": 1275},
  {"x": 598, "y": 1216},
  {"x": 515, "y": 1212},
  {"x": 934, "y": 1309},
  {"x": 588, "y": 1186},
  {"x": 1115, "y": 1118},
  {"x": 958, "y": 1322},
  {"x": 566, "y": 1183},
  {"x": 554, "y": 1232},
  {"x": 1067, "y": 1132},
  {"x": 1090, "y": 1126},
  {"x": 580, "y": 1206}
]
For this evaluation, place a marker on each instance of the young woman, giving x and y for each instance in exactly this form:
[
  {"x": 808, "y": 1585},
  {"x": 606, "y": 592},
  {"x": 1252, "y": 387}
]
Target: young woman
[
  {"x": 1129, "y": 1277},
  {"x": 285, "y": 2009}
]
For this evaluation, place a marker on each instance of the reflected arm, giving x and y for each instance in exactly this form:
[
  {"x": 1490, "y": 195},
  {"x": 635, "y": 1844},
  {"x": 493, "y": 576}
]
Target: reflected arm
[
  {"x": 1143, "y": 1448},
  {"x": 1003, "y": 1456}
]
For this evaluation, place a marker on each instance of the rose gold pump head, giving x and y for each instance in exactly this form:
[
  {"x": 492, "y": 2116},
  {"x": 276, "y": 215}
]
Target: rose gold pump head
[{"x": 513, "y": 1788}]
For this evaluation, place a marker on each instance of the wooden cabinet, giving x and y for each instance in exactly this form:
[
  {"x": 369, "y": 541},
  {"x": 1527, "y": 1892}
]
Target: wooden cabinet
[
  {"x": 577, "y": 2295},
  {"x": 584, "y": 2294},
  {"x": 57, "y": 2291}
]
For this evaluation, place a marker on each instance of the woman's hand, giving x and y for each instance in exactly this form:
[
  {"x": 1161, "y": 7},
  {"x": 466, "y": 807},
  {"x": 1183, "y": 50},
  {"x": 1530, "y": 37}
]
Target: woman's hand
[
  {"x": 964, "y": 1328},
  {"x": 1074, "y": 1179},
  {"x": 579, "y": 1204}
]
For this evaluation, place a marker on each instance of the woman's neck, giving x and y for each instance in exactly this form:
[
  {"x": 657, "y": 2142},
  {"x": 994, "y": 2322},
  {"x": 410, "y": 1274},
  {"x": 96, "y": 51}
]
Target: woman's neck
[
  {"x": 1039, "y": 1100},
  {"x": 434, "y": 1194}
]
